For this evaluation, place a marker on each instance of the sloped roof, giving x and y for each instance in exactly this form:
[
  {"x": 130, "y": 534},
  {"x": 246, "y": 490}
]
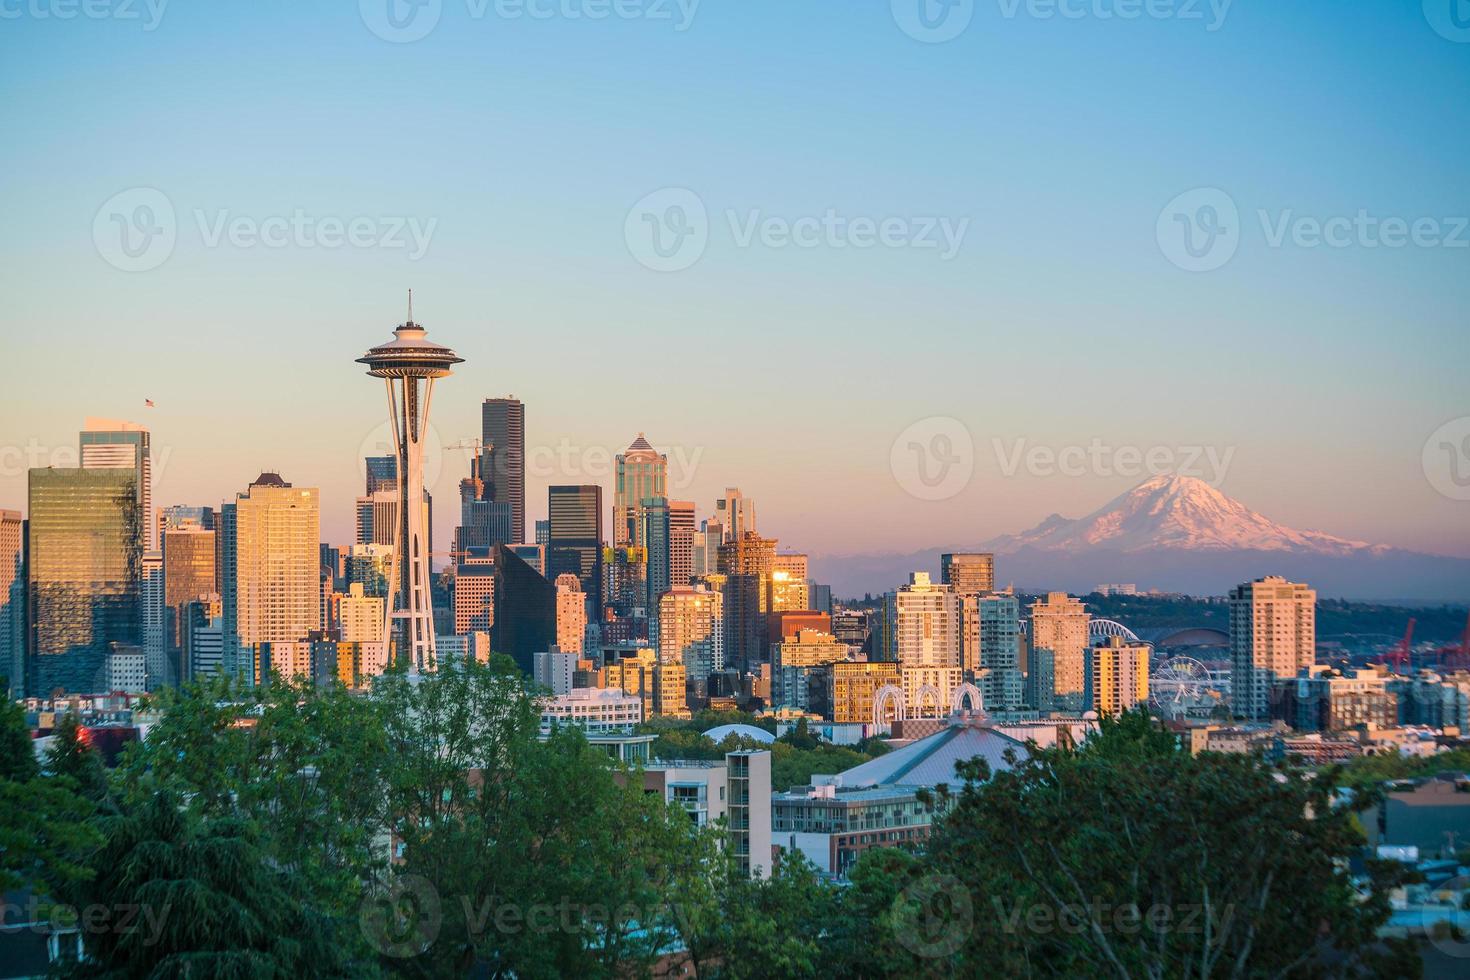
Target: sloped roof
[
  {"x": 931, "y": 760},
  {"x": 640, "y": 445}
]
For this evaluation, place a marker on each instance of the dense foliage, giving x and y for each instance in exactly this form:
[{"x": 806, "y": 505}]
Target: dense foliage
[{"x": 427, "y": 830}]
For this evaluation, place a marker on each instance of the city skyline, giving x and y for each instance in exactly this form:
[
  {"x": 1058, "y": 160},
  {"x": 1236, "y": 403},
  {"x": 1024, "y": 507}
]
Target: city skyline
[{"x": 529, "y": 267}]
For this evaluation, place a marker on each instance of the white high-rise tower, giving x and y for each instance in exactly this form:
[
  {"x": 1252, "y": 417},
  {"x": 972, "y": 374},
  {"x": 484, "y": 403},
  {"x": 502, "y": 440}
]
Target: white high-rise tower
[{"x": 405, "y": 361}]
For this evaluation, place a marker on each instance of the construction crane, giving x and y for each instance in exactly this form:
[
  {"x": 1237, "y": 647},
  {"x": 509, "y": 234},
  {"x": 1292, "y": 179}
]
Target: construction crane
[
  {"x": 1400, "y": 654},
  {"x": 1456, "y": 656}
]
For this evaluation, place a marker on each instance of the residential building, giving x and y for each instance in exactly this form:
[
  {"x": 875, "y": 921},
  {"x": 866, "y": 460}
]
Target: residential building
[
  {"x": 796, "y": 663},
  {"x": 555, "y": 670},
  {"x": 747, "y": 564},
  {"x": 1273, "y": 636},
  {"x": 1117, "y": 675},
  {"x": 691, "y": 630},
  {"x": 849, "y": 689},
  {"x": 152, "y": 622},
  {"x": 597, "y": 710},
  {"x": 999, "y": 630},
  {"x": 969, "y": 574},
  {"x": 789, "y": 589},
  {"x": 735, "y": 513},
  {"x": 1059, "y": 623},
  {"x": 474, "y": 596},
  {"x": 362, "y": 618},
  {"x": 1320, "y": 699},
  {"x": 924, "y": 623},
  {"x": 571, "y": 613}
]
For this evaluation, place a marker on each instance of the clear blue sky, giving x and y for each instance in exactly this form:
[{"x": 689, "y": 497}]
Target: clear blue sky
[{"x": 789, "y": 371}]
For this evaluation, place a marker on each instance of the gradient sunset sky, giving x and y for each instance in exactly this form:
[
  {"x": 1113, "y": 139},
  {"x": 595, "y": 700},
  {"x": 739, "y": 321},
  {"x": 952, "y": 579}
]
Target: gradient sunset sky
[{"x": 788, "y": 371}]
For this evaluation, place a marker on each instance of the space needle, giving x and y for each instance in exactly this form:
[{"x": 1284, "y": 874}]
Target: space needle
[{"x": 403, "y": 363}]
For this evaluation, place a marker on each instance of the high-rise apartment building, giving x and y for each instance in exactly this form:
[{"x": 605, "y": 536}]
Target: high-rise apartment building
[
  {"x": 111, "y": 444},
  {"x": 970, "y": 574},
  {"x": 372, "y": 567},
  {"x": 574, "y": 538},
  {"x": 571, "y": 613},
  {"x": 503, "y": 434},
  {"x": 12, "y": 597},
  {"x": 1059, "y": 623},
  {"x": 999, "y": 623},
  {"x": 380, "y": 474},
  {"x": 735, "y": 513},
  {"x": 1273, "y": 635},
  {"x": 1117, "y": 676},
  {"x": 642, "y": 474},
  {"x": 362, "y": 618},
  {"x": 474, "y": 596},
  {"x": 681, "y": 542},
  {"x": 793, "y": 663},
  {"x": 924, "y": 622},
  {"x": 84, "y": 574},
  {"x": 691, "y": 630},
  {"x": 271, "y": 574}
]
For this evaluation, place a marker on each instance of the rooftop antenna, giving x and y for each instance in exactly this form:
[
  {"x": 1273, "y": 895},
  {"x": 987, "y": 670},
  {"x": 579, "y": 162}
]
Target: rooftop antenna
[{"x": 410, "y": 307}]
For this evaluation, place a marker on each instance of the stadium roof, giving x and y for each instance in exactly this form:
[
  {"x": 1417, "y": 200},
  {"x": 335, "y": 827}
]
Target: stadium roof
[
  {"x": 931, "y": 761},
  {"x": 722, "y": 732}
]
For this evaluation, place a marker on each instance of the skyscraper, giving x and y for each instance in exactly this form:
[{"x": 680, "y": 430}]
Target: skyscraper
[
  {"x": 484, "y": 521},
  {"x": 574, "y": 537},
  {"x": 641, "y": 475},
  {"x": 970, "y": 574},
  {"x": 525, "y": 610},
  {"x": 409, "y": 364},
  {"x": 735, "y": 514},
  {"x": 789, "y": 583},
  {"x": 691, "y": 630},
  {"x": 503, "y": 433},
  {"x": 1059, "y": 623},
  {"x": 381, "y": 475},
  {"x": 85, "y": 549},
  {"x": 12, "y": 596},
  {"x": 1273, "y": 634},
  {"x": 747, "y": 564},
  {"x": 153, "y": 623},
  {"x": 271, "y": 571},
  {"x": 109, "y": 444},
  {"x": 189, "y": 572}
]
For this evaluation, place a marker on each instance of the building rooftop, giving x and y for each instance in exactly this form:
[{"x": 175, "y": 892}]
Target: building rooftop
[{"x": 931, "y": 760}]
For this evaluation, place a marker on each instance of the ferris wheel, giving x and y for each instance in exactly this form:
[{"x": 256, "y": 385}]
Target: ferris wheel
[{"x": 1181, "y": 686}]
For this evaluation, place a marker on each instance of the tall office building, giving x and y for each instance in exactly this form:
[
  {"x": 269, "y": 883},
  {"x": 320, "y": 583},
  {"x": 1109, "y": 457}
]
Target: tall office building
[
  {"x": 12, "y": 596},
  {"x": 503, "y": 433},
  {"x": 735, "y": 514},
  {"x": 642, "y": 474},
  {"x": 189, "y": 572},
  {"x": 1001, "y": 684},
  {"x": 381, "y": 474},
  {"x": 84, "y": 570},
  {"x": 153, "y": 622},
  {"x": 543, "y": 532},
  {"x": 706, "y": 549},
  {"x": 789, "y": 588},
  {"x": 747, "y": 565},
  {"x": 377, "y": 517},
  {"x": 371, "y": 566},
  {"x": 1059, "y": 623},
  {"x": 1117, "y": 676},
  {"x": 1273, "y": 634},
  {"x": 571, "y": 613},
  {"x": 474, "y": 596},
  {"x": 484, "y": 521},
  {"x": 270, "y": 574},
  {"x": 110, "y": 444},
  {"x": 409, "y": 364},
  {"x": 923, "y": 624},
  {"x": 176, "y": 516},
  {"x": 525, "y": 610},
  {"x": 654, "y": 517},
  {"x": 574, "y": 537},
  {"x": 970, "y": 574},
  {"x": 691, "y": 630},
  {"x": 681, "y": 542}
]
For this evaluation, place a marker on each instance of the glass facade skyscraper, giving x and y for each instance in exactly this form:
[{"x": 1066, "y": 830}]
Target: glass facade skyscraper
[
  {"x": 85, "y": 548},
  {"x": 574, "y": 537},
  {"x": 503, "y": 432}
]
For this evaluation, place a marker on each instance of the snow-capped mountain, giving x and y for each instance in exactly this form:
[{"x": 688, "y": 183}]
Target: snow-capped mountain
[
  {"x": 1178, "y": 534},
  {"x": 1175, "y": 512}
]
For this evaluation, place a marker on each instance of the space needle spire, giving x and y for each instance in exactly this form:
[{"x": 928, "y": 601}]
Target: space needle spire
[{"x": 409, "y": 364}]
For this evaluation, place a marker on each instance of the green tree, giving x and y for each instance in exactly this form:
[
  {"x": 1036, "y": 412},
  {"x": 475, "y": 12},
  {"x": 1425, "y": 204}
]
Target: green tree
[
  {"x": 45, "y": 836},
  {"x": 71, "y": 756}
]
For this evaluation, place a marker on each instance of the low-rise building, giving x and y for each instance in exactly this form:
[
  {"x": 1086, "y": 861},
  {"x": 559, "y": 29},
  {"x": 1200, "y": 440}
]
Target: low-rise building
[{"x": 737, "y": 788}]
